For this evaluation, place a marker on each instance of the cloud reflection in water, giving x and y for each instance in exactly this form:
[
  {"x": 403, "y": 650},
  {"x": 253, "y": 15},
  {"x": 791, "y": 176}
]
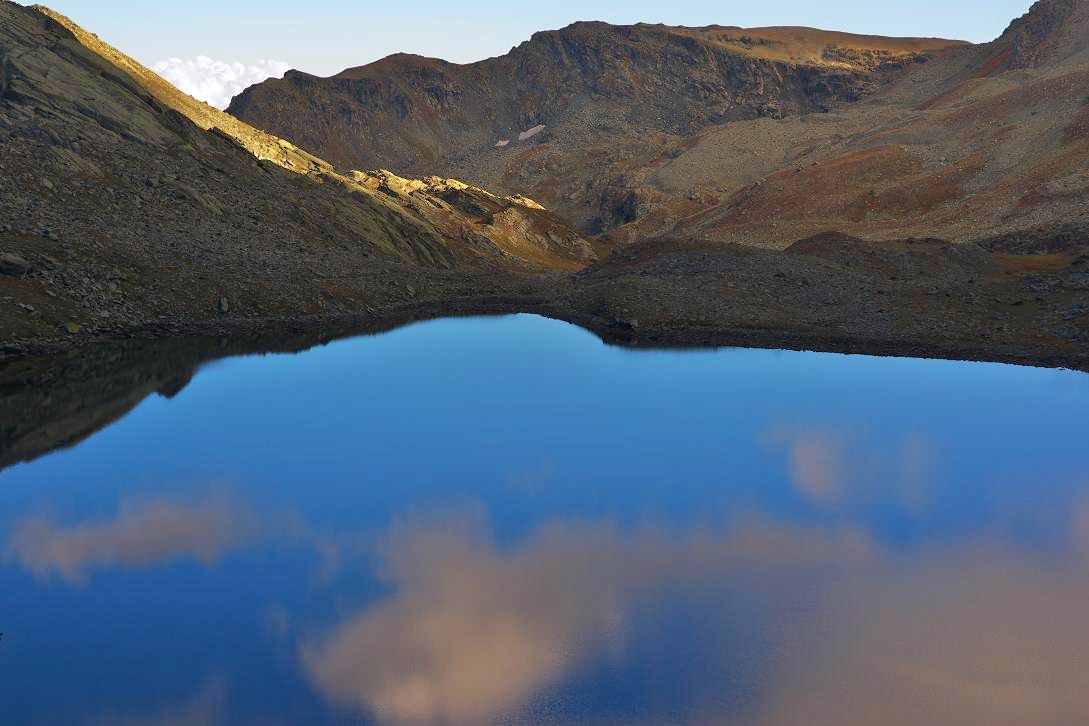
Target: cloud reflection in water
[
  {"x": 833, "y": 467},
  {"x": 976, "y": 633},
  {"x": 977, "y": 630},
  {"x": 148, "y": 534},
  {"x": 474, "y": 633},
  {"x": 141, "y": 535}
]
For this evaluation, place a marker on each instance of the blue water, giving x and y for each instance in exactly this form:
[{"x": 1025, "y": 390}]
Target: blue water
[{"x": 503, "y": 520}]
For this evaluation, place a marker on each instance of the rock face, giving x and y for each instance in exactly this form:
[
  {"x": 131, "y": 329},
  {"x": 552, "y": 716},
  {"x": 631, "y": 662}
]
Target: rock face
[
  {"x": 1052, "y": 30},
  {"x": 516, "y": 226},
  {"x": 574, "y": 88}
]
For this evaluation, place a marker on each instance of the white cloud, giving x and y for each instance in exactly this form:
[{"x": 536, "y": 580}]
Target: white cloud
[{"x": 214, "y": 81}]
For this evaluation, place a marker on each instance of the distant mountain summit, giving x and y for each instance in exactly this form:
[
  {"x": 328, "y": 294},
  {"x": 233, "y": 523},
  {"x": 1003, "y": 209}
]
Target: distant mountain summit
[
  {"x": 1052, "y": 31},
  {"x": 581, "y": 86},
  {"x": 756, "y": 136}
]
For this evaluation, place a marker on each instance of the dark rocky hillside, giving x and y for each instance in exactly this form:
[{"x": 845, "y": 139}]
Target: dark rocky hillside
[
  {"x": 122, "y": 198},
  {"x": 576, "y": 88}
]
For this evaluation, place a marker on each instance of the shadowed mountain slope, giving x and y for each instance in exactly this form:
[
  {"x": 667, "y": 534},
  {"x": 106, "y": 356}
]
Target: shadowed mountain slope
[{"x": 127, "y": 198}]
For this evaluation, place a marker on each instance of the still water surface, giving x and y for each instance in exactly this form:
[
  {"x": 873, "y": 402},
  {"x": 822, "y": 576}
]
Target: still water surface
[{"x": 505, "y": 521}]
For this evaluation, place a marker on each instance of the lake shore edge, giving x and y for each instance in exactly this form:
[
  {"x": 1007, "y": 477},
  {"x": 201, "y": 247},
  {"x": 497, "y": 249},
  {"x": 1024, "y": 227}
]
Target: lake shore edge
[{"x": 304, "y": 331}]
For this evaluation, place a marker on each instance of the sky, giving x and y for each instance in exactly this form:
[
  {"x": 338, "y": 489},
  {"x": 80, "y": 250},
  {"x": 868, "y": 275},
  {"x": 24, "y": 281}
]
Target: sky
[{"x": 217, "y": 45}]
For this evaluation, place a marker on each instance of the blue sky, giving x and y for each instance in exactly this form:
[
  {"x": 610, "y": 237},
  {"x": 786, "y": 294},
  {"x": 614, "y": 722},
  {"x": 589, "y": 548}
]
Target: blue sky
[{"x": 325, "y": 36}]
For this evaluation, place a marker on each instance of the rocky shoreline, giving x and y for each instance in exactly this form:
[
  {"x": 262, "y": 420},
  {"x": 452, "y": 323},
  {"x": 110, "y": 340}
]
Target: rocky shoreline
[
  {"x": 283, "y": 333},
  {"x": 56, "y": 392}
]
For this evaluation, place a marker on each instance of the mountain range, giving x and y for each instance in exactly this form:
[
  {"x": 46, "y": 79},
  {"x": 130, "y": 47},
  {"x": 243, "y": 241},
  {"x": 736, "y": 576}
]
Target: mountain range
[
  {"x": 706, "y": 133},
  {"x": 659, "y": 185}
]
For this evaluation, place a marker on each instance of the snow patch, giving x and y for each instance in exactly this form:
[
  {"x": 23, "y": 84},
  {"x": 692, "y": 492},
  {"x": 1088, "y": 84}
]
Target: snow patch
[{"x": 531, "y": 133}]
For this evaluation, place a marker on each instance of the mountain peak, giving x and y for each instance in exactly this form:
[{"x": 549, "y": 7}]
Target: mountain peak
[{"x": 1052, "y": 31}]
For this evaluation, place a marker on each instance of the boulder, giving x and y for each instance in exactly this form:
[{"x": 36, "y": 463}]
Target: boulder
[{"x": 13, "y": 264}]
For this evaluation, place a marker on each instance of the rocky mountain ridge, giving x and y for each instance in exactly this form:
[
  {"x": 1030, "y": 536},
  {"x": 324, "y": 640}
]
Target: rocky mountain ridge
[
  {"x": 759, "y": 136},
  {"x": 573, "y": 88},
  {"x": 1052, "y": 31},
  {"x": 980, "y": 142}
]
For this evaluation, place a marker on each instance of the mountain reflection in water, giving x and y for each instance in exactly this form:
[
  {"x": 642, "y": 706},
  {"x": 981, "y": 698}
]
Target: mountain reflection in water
[{"x": 534, "y": 528}]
